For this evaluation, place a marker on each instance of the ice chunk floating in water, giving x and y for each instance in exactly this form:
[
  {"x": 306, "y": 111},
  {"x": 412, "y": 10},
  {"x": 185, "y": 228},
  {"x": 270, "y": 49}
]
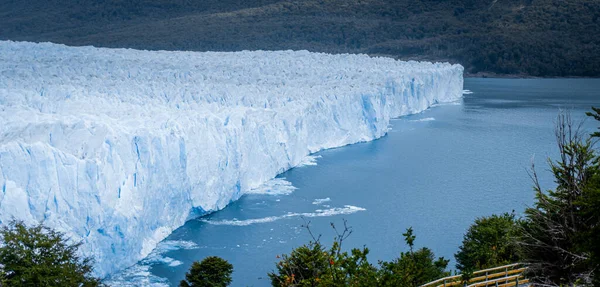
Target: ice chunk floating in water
[
  {"x": 276, "y": 186},
  {"x": 310, "y": 160},
  {"x": 119, "y": 147},
  {"x": 347, "y": 209},
  {"x": 320, "y": 201},
  {"x": 423, "y": 120}
]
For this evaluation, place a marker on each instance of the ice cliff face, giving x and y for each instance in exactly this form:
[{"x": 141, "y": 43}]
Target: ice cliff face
[{"x": 118, "y": 147}]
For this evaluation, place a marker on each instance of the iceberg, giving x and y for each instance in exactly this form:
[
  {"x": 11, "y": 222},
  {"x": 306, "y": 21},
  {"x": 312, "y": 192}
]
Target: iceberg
[{"x": 119, "y": 147}]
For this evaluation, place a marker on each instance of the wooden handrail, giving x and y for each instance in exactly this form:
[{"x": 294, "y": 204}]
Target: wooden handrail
[
  {"x": 449, "y": 278},
  {"x": 494, "y": 275},
  {"x": 503, "y": 275},
  {"x": 488, "y": 282},
  {"x": 498, "y": 268},
  {"x": 514, "y": 283}
]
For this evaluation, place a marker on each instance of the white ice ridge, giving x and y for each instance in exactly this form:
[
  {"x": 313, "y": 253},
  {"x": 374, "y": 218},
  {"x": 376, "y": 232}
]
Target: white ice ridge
[{"x": 119, "y": 147}]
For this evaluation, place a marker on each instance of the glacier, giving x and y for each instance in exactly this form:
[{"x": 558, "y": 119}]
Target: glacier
[{"x": 119, "y": 147}]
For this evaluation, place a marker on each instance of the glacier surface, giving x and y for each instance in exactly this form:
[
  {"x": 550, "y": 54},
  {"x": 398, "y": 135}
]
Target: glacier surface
[{"x": 119, "y": 147}]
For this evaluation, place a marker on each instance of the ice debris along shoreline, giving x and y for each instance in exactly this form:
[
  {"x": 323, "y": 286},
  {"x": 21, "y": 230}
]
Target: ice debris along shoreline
[{"x": 119, "y": 147}]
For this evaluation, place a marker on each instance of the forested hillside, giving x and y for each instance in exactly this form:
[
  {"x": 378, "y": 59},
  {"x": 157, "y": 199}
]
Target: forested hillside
[{"x": 516, "y": 37}]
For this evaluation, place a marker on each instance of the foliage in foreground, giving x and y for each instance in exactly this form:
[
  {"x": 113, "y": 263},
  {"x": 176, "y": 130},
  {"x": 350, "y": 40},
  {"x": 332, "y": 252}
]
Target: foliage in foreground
[
  {"x": 315, "y": 265},
  {"x": 413, "y": 268},
  {"x": 488, "y": 243},
  {"x": 559, "y": 237},
  {"x": 560, "y": 233},
  {"x": 213, "y": 271},
  {"x": 40, "y": 256}
]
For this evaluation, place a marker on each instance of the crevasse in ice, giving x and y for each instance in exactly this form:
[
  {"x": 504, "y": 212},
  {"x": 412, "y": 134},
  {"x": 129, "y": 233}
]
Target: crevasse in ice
[{"x": 118, "y": 147}]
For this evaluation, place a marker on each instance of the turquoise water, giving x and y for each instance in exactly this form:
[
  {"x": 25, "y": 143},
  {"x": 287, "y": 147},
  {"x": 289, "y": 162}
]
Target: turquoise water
[{"x": 436, "y": 171}]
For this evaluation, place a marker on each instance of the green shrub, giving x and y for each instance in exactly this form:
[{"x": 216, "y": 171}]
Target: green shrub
[
  {"x": 211, "y": 272},
  {"x": 40, "y": 256},
  {"x": 412, "y": 268},
  {"x": 315, "y": 265},
  {"x": 489, "y": 242}
]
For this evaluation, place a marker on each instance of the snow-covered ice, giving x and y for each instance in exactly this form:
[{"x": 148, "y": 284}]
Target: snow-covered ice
[{"x": 119, "y": 147}]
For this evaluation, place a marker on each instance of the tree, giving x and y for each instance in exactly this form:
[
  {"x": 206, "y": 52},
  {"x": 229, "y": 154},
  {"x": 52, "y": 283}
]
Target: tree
[
  {"x": 40, "y": 256},
  {"x": 489, "y": 242},
  {"x": 556, "y": 239},
  {"x": 596, "y": 115},
  {"x": 590, "y": 202},
  {"x": 590, "y": 211},
  {"x": 412, "y": 268},
  {"x": 211, "y": 272}
]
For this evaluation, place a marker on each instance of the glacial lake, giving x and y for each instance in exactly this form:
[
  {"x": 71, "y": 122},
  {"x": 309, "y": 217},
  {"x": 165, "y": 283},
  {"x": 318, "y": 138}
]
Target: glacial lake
[{"x": 436, "y": 171}]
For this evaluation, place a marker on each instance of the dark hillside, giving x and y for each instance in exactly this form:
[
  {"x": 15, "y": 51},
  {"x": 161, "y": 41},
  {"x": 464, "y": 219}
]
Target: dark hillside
[{"x": 518, "y": 37}]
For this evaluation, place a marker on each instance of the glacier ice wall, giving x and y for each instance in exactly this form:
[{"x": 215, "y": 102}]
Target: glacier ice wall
[{"x": 119, "y": 147}]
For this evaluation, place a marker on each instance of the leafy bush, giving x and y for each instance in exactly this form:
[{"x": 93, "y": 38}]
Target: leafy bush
[
  {"x": 412, "y": 268},
  {"x": 211, "y": 272},
  {"x": 489, "y": 242},
  {"x": 40, "y": 256},
  {"x": 315, "y": 265}
]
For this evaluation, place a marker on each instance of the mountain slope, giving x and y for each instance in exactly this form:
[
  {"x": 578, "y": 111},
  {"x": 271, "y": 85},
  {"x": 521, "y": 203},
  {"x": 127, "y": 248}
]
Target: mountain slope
[{"x": 522, "y": 37}]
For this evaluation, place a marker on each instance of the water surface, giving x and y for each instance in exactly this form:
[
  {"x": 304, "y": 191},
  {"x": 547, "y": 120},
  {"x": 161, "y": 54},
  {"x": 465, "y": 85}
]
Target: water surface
[{"x": 436, "y": 171}]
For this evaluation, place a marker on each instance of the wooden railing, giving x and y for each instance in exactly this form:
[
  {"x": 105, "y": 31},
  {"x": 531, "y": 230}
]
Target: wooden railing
[{"x": 502, "y": 276}]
